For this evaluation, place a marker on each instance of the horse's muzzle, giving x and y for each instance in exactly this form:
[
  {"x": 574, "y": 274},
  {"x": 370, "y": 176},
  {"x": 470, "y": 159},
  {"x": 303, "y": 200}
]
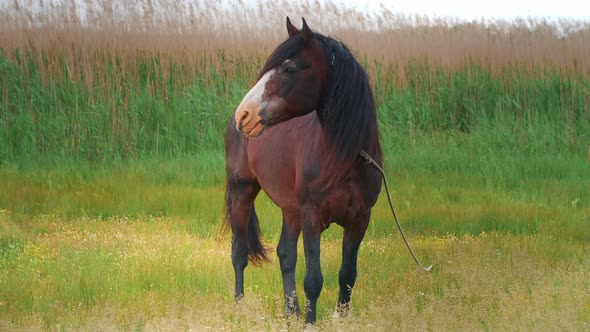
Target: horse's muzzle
[{"x": 249, "y": 122}]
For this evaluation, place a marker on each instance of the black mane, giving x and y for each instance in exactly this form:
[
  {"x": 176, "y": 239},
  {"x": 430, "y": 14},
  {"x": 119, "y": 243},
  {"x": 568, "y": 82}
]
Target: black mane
[{"x": 346, "y": 111}]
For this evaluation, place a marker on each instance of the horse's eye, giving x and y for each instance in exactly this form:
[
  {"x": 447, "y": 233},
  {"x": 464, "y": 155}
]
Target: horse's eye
[{"x": 290, "y": 70}]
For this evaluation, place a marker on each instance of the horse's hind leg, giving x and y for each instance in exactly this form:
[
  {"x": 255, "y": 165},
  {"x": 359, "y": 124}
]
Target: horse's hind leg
[
  {"x": 311, "y": 228},
  {"x": 354, "y": 231},
  {"x": 287, "y": 252},
  {"x": 242, "y": 217}
]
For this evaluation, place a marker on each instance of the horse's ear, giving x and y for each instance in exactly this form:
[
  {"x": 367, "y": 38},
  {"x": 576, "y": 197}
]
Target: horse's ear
[
  {"x": 291, "y": 28},
  {"x": 307, "y": 34}
]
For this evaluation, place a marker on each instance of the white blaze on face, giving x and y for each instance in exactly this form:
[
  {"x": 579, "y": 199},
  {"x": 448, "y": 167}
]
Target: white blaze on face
[
  {"x": 247, "y": 118},
  {"x": 255, "y": 94}
]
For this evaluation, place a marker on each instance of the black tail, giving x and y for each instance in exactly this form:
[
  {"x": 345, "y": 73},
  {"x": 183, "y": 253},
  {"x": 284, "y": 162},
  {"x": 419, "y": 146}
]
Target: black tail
[{"x": 257, "y": 252}]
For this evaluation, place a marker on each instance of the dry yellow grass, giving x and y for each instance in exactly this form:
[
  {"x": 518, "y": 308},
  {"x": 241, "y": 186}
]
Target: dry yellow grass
[
  {"x": 208, "y": 38},
  {"x": 172, "y": 27}
]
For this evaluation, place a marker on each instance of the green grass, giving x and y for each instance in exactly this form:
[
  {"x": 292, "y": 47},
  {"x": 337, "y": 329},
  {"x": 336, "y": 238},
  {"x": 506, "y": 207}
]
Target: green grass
[
  {"x": 138, "y": 245},
  {"x": 441, "y": 179}
]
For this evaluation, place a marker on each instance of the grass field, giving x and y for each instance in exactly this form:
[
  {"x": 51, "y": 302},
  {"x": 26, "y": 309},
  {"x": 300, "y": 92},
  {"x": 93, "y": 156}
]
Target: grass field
[
  {"x": 150, "y": 273},
  {"x": 112, "y": 171},
  {"x": 139, "y": 246}
]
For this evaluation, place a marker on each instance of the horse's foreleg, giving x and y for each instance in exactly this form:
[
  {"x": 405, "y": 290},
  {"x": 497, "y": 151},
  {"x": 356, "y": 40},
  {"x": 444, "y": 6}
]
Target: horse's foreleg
[
  {"x": 312, "y": 225},
  {"x": 353, "y": 236},
  {"x": 287, "y": 252},
  {"x": 242, "y": 195}
]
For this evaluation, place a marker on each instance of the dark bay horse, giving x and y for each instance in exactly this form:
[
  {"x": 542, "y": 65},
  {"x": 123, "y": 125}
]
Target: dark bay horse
[{"x": 297, "y": 135}]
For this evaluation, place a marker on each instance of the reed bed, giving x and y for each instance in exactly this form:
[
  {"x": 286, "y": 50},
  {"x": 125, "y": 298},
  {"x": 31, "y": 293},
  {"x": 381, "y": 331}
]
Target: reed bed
[{"x": 111, "y": 86}]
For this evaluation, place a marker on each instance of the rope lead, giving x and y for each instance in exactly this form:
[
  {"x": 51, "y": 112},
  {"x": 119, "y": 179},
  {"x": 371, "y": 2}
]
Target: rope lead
[{"x": 374, "y": 164}]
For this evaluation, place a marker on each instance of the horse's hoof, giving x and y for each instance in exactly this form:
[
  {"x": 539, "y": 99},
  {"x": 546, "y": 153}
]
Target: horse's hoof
[
  {"x": 336, "y": 315},
  {"x": 309, "y": 327}
]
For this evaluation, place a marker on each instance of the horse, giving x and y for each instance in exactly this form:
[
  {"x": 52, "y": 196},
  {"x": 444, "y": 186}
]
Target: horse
[{"x": 298, "y": 134}]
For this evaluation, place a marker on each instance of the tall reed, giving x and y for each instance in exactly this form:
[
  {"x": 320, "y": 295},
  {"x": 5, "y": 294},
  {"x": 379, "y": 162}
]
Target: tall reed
[{"x": 98, "y": 88}]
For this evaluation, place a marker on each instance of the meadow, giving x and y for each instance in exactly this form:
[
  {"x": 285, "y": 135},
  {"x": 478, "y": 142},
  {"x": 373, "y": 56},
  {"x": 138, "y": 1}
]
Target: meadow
[{"x": 112, "y": 172}]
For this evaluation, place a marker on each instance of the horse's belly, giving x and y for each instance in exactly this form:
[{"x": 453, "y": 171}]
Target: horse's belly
[{"x": 280, "y": 190}]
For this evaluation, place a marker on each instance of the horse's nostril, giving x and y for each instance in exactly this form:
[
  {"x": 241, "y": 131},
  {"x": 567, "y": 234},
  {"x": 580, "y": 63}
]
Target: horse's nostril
[
  {"x": 240, "y": 126},
  {"x": 244, "y": 116}
]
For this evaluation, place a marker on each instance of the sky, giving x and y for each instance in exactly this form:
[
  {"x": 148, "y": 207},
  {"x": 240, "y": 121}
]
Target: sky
[{"x": 475, "y": 9}]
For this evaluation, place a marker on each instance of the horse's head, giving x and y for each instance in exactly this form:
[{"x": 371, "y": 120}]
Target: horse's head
[{"x": 291, "y": 83}]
